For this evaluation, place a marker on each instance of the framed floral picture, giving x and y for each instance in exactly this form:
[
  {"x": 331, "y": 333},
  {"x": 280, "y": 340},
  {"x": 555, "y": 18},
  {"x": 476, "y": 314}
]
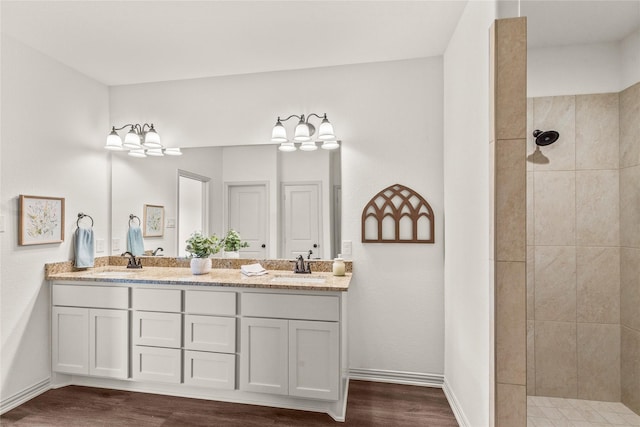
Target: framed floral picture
[
  {"x": 41, "y": 220},
  {"x": 153, "y": 224}
]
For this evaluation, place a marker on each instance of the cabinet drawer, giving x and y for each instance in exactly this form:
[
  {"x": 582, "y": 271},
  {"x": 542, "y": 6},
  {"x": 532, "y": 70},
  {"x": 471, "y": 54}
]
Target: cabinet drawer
[
  {"x": 156, "y": 364},
  {"x": 210, "y": 369},
  {"x": 209, "y": 302},
  {"x": 91, "y": 296},
  {"x": 157, "y": 300},
  {"x": 284, "y": 306},
  {"x": 208, "y": 333},
  {"x": 157, "y": 329}
]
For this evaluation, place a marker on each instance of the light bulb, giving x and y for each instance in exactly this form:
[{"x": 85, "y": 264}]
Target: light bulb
[
  {"x": 152, "y": 139},
  {"x": 308, "y": 146},
  {"x": 172, "y": 152},
  {"x": 137, "y": 153},
  {"x": 279, "y": 133},
  {"x": 325, "y": 132},
  {"x": 330, "y": 145},
  {"x": 113, "y": 141},
  {"x": 132, "y": 139},
  {"x": 287, "y": 147}
]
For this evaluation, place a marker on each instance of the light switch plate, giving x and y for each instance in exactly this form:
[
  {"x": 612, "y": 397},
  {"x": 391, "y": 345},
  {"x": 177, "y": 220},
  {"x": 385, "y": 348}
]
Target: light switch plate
[
  {"x": 346, "y": 247},
  {"x": 171, "y": 223},
  {"x": 115, "y": 245},
  {"x": 99, "y": 245}
]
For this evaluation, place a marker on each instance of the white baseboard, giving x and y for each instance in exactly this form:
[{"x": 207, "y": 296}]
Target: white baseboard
[
  {"x": 397, "y": 377},
  {"x": 25, "y": 395},
  {"x": 455, "y": 405}
]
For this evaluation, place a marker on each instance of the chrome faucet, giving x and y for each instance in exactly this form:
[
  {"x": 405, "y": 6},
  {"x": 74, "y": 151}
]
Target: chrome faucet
[
  {"x": 133, "y": 261},
  {"x": 301, "y": 267},
  {"x": 155, "y": 253}
]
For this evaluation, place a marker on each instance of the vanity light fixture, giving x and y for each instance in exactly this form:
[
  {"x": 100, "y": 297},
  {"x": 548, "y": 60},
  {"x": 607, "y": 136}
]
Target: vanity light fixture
[
  {"x": 303, "y": 134},
  {"x": 141, "y": 141}
]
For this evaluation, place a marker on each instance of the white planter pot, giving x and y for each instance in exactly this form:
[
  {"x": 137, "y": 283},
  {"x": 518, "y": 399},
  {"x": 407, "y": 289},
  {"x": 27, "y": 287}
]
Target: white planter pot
[
  {"x": 231, "y": 254},
  {"x": 200, "y": 265}
]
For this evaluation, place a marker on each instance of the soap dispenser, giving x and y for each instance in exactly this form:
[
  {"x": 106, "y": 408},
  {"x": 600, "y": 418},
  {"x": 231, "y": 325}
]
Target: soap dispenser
[{"x": 338, "y": 266}]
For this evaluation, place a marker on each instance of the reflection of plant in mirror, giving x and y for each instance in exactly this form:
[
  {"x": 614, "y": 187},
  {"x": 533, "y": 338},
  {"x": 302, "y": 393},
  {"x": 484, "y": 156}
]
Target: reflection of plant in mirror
[
  {"x": 201, "y": 246},
  {"x": 232, "y": 241}
]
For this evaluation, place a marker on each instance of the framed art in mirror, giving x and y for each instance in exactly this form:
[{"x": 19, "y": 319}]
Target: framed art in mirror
[{"x": 153, "y": 221}]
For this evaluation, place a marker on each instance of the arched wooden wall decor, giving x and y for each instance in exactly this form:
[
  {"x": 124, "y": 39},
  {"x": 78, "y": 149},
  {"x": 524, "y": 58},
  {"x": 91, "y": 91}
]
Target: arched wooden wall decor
[{"x": 398, "y": 214}]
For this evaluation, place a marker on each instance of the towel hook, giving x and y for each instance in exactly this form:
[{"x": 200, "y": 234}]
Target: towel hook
[
  {"x": 132, "y": 217},
  {"x": 83, "y": 215}
]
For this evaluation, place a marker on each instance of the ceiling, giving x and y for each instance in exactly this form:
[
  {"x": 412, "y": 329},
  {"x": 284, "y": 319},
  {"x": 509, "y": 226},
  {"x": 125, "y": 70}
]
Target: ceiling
[{"x": 127, "y": 42}]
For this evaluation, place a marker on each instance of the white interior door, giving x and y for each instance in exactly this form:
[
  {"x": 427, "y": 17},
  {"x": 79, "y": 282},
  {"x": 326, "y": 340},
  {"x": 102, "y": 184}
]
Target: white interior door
[
  {"x": 247, "y": 214},
  {"x": 301, "y": 220},
  {"x": 193, "y": 214}
]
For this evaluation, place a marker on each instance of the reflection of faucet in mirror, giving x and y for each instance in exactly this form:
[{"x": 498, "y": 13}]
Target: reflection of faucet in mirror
[
  {"x": 155, "y": 253},
  {"x": 133, "y": 261},
  {"x": 301, "y": 267}
]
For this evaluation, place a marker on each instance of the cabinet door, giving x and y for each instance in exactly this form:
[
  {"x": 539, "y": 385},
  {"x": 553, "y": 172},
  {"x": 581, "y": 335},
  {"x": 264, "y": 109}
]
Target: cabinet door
[
  {"x": 210, "y": 333},
  {"x": 157, "y": 329},
  {"x": 70, "y": 340},
  {"x": 156, "y": 364},
  {"x": 214, "y": 370},
  {"x": 109, "y": 343},
  {"x": 314, "y": 351},
  {"x": 263, "y": 356}
]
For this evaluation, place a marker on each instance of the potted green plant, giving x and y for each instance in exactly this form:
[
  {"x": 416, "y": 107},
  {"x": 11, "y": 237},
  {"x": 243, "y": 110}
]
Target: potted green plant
[
  {"x": 232, "y": 243},
  {"x": 201, "y": 247}
]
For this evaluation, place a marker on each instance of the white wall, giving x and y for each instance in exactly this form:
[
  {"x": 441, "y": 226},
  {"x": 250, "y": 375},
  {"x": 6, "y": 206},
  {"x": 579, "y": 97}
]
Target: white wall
[
  {"x": 466, "y": 186},
  {"x": 53, "y": 126},
  {"x": 583, "y": 69},
  {"x": 389, "y": 116},
  {"x": 630, "y": 60}
]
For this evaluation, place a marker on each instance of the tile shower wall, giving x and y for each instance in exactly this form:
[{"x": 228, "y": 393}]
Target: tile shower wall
[
  {"x": 573, "y": 249},
  {"x": 630, "y": 245}
]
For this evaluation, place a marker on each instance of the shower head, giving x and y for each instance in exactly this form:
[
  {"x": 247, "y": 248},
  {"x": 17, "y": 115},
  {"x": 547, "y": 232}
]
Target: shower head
[{"x": 545, "y": 138}]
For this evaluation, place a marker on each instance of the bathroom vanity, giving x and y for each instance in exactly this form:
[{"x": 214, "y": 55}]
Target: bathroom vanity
[{"x": 276, "y": 340}]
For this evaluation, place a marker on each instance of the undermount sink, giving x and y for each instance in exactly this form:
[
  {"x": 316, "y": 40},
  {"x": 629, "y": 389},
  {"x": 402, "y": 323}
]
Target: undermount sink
[{"x": 300, "y": 278}]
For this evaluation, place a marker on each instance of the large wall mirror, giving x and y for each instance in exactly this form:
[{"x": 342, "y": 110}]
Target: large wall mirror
[{"x": 282, "y": 204}]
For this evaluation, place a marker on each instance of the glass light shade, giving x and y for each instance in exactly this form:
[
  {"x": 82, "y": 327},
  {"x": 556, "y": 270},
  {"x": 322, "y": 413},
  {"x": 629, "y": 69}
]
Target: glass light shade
[
  {"x": 132, "y": 140},
  {"x": 279, "y": 133},
  {"x": 137, "y": 153},
  {"x": 330, "y": 145},
  {"x": 287, "y": 146},
  {"x": 302, "y": 132},
  {"x": 172, "y": 152},
  {"x": 152, "y": 139},
  {"x": 325, "y": 132},
  {"x": 308, "y": 146},
  {"x": 114, "y": 142},
  {"x": 157, "y": 152}
]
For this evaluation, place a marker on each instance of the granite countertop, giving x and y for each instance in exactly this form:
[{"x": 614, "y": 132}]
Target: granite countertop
[{"x": 217, "y": 277}]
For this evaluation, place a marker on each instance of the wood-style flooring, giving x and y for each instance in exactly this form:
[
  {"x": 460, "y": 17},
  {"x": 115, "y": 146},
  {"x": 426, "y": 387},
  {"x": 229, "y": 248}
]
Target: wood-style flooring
[{"x": 369, "y": 404}]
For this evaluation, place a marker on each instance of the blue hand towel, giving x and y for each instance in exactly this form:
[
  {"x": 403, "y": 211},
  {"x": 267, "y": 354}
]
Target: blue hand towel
[
  {"x": 83, "y": 247},
  {"x": 135, "y": 244}
]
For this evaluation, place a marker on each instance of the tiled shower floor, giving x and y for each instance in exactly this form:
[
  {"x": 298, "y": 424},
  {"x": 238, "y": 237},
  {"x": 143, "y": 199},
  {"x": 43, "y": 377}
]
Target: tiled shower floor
[{"x": 556, "y": 412}]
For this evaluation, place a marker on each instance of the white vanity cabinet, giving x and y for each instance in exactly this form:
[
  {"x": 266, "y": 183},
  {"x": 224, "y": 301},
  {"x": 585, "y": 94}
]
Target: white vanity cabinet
[
  {"x": 245, "y": 344},
  {"x": 90, "y": 330},
  {"x": 280, "y": 355}
]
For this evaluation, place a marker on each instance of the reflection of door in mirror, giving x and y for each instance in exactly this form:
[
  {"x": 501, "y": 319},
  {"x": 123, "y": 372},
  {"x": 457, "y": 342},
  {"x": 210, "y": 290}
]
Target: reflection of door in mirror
[
  {"x": 301, "y": 207},
  {"x": 193, "y": 214},
  {"x": 247, "y": 214}
]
